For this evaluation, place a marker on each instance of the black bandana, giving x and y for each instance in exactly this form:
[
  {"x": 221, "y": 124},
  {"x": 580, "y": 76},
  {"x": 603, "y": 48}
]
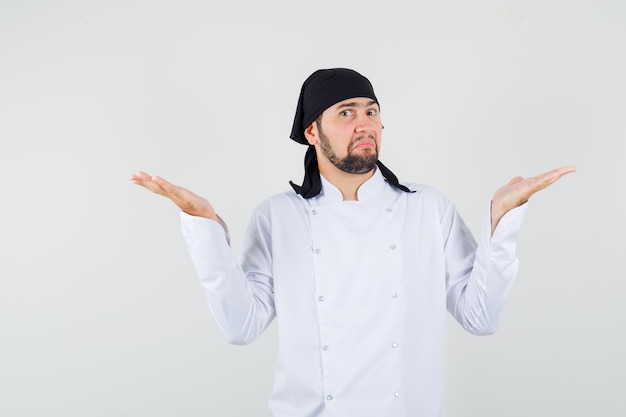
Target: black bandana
[{"x": 321, "y": 90}]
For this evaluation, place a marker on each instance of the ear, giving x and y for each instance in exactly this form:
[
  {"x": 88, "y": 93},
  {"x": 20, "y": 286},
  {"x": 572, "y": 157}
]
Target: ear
[{"x": 310, "y": 133}]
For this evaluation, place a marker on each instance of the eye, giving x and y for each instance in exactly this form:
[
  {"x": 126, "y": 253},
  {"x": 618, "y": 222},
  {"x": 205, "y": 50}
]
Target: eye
[
  {"x": 372, "y": 112},
  {"x": 346, "y": 113}
]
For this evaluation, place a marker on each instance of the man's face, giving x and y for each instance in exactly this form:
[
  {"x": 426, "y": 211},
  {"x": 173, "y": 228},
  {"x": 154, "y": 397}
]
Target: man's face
[{"x": 348, "y": 135}]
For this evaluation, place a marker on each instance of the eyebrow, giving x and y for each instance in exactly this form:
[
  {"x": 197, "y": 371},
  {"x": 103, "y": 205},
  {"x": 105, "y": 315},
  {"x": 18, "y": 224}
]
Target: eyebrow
[{"x": 355, "y": 104}]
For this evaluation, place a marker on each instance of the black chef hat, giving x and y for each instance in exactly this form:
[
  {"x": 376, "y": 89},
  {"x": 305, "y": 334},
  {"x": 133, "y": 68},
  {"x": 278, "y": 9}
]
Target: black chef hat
[{"x": 321, "y": 90}]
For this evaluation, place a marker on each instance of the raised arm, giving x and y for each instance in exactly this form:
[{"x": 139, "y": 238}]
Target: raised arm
[
  {"x": 479, "y": 278},
  {"x": 242, "y": 301}
]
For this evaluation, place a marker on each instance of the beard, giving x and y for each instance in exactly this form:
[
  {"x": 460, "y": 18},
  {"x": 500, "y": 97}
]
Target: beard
[{"x": 351, "y": 163}]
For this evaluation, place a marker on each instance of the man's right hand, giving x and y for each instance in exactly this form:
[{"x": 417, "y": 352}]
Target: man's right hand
[{"x": 187, "y": 201}]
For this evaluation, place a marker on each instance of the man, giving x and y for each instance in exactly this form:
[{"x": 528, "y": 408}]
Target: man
[{"x": 357, "y": 268}]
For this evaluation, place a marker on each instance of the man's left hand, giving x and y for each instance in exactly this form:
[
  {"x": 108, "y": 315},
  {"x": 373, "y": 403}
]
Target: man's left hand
[{"x": 519, "y": 190}]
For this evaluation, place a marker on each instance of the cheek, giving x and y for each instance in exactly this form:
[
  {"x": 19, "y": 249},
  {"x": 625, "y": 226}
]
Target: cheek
[{"x": 339, "y": 137}]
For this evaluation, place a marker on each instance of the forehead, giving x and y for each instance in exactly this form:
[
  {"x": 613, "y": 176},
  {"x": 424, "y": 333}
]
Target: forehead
[{"x": 354, "y": 102}]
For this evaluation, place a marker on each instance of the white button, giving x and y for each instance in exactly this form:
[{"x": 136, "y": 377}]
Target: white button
[
  {"x": 329, "y": 397},
  {"x": 325, "y": 347},
  {"x": 394, "y": 345},
  {"x": 314, "y": 212},
  {"x": 396, "y": 394},
  {"x": 393, "y": 247},
  {"x": 321, "y": 298},
  {"x": 317, "y": 251},
  {"x": 394, "y": 295}
]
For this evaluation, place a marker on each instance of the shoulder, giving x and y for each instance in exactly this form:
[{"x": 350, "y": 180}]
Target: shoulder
[
  {"x": 427, "y": 193},
  {"x": 431, "y": 203},
  {"x": 280, "y": 203}
]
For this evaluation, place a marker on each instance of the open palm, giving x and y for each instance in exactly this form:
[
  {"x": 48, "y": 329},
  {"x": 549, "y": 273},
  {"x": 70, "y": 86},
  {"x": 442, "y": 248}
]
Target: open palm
[{"x": 519, "y": 190}]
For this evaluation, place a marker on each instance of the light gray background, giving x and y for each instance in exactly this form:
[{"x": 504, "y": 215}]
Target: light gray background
[{"x": 100, "y": 310}]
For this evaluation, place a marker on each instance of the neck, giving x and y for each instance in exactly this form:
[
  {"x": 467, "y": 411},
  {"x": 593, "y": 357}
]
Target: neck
[{"x": 347, "y": 183}]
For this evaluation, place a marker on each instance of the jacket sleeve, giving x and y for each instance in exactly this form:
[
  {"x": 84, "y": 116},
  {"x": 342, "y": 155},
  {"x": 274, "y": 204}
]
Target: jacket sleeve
[
  {"x": 479, "y": 277},
  {"x": 240, "y": 295}
]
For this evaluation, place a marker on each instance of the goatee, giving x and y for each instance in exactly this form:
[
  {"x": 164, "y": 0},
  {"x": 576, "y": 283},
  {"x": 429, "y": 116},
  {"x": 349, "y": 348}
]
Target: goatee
[{"x": 352, "y": 163}]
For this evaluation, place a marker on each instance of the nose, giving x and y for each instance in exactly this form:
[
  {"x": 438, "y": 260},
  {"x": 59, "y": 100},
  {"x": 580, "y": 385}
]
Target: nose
[{"x": 364, "y": 123}]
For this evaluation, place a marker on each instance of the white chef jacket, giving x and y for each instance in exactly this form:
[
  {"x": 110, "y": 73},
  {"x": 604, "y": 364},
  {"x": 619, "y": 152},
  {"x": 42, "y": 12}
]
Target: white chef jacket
[{"x": 360, "y": 291}]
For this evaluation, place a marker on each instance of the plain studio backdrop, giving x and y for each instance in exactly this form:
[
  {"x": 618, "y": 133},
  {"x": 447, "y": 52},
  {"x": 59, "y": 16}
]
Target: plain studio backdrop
[{"x": 100, "y": 310}]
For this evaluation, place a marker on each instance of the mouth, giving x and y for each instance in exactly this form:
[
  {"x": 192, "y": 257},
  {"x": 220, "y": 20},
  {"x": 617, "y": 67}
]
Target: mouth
[{"x": 363, "y": 143}]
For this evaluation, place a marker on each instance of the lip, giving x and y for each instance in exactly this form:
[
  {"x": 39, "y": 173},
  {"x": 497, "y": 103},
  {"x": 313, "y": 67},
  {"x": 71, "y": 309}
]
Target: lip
[{"x": 365, "y": 143}]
